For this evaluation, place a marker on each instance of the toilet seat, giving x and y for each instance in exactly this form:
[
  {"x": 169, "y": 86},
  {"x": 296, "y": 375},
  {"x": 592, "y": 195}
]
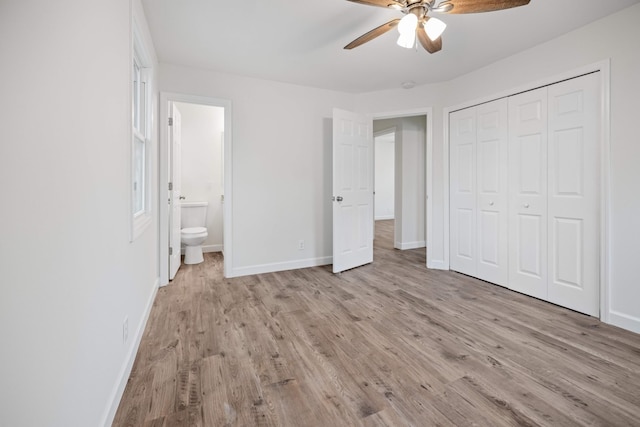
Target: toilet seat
[{"x": 191, "y": 231}]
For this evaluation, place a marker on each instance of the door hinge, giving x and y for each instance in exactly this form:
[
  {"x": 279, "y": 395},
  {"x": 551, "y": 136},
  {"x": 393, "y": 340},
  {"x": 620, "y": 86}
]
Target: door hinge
[
  {"x": 170, "y": 250},
  {"x": 170, "y": 186},
  {"x": 170, "y": 121}
]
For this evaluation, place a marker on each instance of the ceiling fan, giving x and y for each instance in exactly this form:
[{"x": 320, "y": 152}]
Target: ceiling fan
[{"x": 417, "y": 24}]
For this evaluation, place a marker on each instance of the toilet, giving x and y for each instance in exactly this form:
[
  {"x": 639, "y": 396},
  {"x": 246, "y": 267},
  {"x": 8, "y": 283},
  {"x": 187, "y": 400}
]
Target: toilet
[{"x": 193, "y": 233}]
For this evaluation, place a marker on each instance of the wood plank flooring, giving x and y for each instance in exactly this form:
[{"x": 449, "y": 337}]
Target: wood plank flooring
[{"x": 388, "y": 344}]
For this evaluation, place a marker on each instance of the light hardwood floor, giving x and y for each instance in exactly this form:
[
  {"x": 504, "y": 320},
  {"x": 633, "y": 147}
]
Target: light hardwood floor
[{"x": 391, "y": 343}]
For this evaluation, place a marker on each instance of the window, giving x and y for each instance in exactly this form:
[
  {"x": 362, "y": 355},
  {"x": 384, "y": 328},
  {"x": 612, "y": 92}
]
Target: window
[{"x": 141, "y": 140}]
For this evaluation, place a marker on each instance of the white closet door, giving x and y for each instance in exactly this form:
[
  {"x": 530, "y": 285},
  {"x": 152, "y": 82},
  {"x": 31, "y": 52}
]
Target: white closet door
[
  {"x": 528, "y": 193},
  {"x": 492, "y": 170},
  {"x": 574, "y": 194},
  {"x": 462, "y": 191}
]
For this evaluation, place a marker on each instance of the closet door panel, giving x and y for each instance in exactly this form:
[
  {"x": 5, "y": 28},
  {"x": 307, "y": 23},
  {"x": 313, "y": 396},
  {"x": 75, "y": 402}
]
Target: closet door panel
[
  {"x": 574, "y": 194},
  {"x": 528, "y": 193},
  {"x": 462, "y": 191},
  {"x": 492, "y": 170}
]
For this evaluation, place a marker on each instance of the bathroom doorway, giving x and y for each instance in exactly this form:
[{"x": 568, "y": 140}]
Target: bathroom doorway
[
  {"x": 202, "y": 169},
  {"x": 197, "y": 169}
]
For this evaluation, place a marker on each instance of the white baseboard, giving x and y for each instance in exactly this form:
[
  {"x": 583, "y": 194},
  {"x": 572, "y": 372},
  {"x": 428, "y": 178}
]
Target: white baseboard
[
  {"x": 282, "y": 266},
  {"x": 206, "y": 249},
  {"x": 410, "y": 245},
  {"x": 125, "y": 371},
  {"x": 624, "y": 321},
  {"x": 437, "y": 265},
  {"x": 384, "y": 217}
]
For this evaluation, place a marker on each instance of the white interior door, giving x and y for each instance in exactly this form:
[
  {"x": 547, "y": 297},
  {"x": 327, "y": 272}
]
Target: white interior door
[
  {"x": 491, "y": 181},
  {"x": 573, "y": 194},
  {"x": 462, "y": 191},
  {"x": 175, "y": 160},
  {"x": 352, "y": 190},
  {"x": 528, "y": 193}
]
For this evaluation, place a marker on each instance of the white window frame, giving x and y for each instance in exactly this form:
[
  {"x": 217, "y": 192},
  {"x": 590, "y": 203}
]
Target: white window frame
[{"x": 140, "y": 132}]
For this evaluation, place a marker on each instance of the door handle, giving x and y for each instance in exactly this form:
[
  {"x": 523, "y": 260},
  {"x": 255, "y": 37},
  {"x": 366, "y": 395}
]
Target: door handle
[
  {"x": 182, "y": 197},
  {"x": 339, "y": 198},
  {"x": 526, "y": 205},
  {"x": 490, "y": 203}
]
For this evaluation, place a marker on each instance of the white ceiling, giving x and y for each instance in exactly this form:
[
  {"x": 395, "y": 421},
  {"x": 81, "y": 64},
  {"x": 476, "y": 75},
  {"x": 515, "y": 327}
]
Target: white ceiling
[{"x": 301, "y": 41}]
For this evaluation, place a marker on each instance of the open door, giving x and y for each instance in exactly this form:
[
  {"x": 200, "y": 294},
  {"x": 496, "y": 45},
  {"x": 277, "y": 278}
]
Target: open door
[
  {"x": 175, "y": 192},
  {"x": 352, "y": 190}
]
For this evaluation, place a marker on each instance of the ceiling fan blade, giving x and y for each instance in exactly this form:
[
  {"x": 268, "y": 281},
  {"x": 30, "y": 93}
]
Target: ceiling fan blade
[
  {"x": 429, "y": 45},
  {"x": 477, "y": 6},
  {"x": 382, "y": 3},
  {"x": 373, "y": 34}
]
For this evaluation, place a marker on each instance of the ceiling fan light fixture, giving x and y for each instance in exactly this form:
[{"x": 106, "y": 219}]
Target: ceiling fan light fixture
[
  {"x": 408, "y": 24},
  {"x": 416, "y": 11},
  {"x": 407, "y": 40},
  {"x": 434, "y": 28}
]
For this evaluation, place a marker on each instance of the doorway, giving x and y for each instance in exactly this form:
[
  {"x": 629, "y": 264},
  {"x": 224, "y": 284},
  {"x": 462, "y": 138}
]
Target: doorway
[
  {"x": 202, "y": 179},
  {"x": 401, "y": 143},
  {"x": 205, "y": 137}
]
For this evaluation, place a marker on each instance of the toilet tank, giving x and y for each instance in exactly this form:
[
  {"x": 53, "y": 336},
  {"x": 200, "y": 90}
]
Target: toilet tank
[{"x": 193, "y": 214}]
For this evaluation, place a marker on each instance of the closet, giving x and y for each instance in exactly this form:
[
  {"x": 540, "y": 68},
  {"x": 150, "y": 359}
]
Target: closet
[
  {"x": 478, "y": 187},
  {"x": 524, "y": 192}
]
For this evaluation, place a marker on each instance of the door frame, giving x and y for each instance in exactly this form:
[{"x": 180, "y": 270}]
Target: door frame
[
  {"x": 163, "y": 180},
  {"x": 175, "y": 134},
  {"x": 428, "y": 112},
  {"x": 604, "y": 68}
]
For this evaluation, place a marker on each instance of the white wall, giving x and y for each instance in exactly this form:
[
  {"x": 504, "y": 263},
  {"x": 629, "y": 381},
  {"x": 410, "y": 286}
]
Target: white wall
[
  {"x": 410, "y": 167},
  {"x": 70, "y": 275},
  {"x": 413, "y": 156},
  {"x": 202, "y": 127},
  {"x": 384, "y": 176},
  {"x": 616, "y": 37},
  {"x": 281, "y": 166}
]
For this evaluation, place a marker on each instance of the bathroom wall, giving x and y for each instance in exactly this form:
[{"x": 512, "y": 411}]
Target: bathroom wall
[{"x": 202, "y": 165}]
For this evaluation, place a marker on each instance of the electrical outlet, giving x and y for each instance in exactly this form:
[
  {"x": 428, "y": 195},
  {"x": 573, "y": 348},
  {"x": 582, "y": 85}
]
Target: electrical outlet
[
  {"x": 125, "y": 330},
  {"x": 301, "y": 245}
]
